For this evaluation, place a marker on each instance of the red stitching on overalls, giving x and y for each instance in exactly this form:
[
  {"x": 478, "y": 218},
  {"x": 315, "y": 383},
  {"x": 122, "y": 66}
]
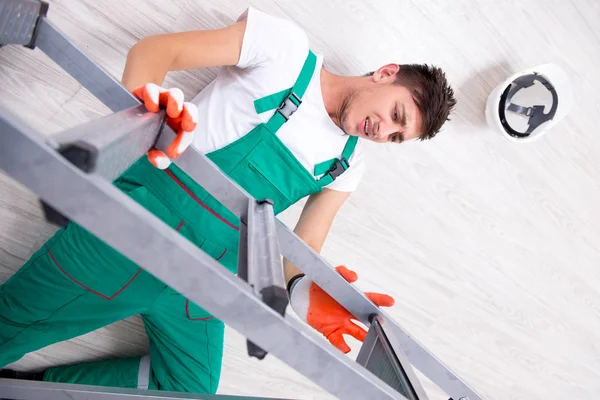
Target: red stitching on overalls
[
  {"x": 222, "y": 254},
  {"x": 199, "y": 202},
  {"x": 187, "y": 311},
  {"x": 187, "y": 302},
  {"x": 89, "y": 289}
]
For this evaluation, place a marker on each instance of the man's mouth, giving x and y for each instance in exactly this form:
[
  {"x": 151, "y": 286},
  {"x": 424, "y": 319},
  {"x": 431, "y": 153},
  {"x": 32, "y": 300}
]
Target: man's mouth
[{"x": 367, "y": 127}]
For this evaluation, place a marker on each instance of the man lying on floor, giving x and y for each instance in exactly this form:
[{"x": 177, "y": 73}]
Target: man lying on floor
[{"x": 75, "y": 283}]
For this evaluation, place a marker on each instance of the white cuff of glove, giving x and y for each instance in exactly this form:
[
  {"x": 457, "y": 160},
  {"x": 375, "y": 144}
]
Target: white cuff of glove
[{"x": 299, "y": 297}]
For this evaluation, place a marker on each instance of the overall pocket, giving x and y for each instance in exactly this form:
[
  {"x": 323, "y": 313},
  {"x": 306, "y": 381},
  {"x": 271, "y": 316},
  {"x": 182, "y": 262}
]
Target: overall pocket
[
  {"x": 262, "y": 173},
  {"x": 94, "y": 265},
  {"x": 195, "y": 313},
  {"x": 226, "y": 256},
  {"x": 266, "y": 181}
]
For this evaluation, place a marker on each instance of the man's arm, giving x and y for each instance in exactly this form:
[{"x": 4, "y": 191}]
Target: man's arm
[
  {"x": 149, "y": 60},
  {"x": 314, "y": 223},
  {"x": 308, "y": 301}
]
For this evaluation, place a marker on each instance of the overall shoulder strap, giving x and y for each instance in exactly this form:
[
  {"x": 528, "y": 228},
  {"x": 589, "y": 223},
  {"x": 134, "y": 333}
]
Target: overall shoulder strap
[
  {"x": 287, "y": 101},
  {"x": 336, "y": 166}
]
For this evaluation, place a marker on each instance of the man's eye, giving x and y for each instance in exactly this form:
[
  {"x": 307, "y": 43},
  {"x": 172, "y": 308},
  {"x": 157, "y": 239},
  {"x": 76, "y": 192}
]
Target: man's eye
[{"x": 395, "y": 115}]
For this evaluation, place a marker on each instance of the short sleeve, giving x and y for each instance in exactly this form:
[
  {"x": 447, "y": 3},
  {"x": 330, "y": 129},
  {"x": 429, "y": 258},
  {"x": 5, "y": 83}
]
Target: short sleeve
[
  {"x": 268, "y": 38},
  {"x": 350, "y": 179}
]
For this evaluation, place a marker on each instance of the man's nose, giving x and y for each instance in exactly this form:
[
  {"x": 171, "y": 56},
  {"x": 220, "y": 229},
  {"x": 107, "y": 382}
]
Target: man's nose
[
  {"x": 381, "y": 129},
  {"x": 386, "y": 128}
]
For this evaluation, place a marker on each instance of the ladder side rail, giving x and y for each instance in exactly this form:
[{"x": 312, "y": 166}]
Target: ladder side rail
[
  {"x": 14, "y": 389},
  {"x": 92, "y": 76}
]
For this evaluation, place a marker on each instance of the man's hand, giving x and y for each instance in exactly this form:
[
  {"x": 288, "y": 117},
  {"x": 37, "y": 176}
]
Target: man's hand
[
  {"x": 182, "y": 117},
  {"x": 323, "y": 313}
]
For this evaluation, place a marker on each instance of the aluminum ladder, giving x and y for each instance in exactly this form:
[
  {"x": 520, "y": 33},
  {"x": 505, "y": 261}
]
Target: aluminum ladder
[{"x": 71, "y": 172}]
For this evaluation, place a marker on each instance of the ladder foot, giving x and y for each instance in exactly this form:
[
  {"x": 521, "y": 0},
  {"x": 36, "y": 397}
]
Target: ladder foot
[{"x": 53, "y": 216}]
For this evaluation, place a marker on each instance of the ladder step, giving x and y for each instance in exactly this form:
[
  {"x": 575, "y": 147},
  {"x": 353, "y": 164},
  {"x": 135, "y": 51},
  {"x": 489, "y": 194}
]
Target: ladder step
[
  {"x": 19, "y": 19},
  {"x": 107, "y": 146},
  {"x": 386, "y": 360},
  {"x": 260, "y": 261}
]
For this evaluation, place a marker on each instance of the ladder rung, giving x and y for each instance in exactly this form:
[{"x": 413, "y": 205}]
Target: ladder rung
[
  {"x": 384, "y": 358},
  {"x": 107, "y": 146},
  {"x": 265, "y": 270},
  {"x": 18, "y": 19},
  {"x": 260, "y": 261}
]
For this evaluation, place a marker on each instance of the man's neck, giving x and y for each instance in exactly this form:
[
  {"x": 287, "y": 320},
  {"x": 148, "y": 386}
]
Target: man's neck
[{"x": 335, "y": 90}]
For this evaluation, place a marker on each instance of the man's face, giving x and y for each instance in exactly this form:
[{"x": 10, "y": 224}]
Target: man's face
[{"x": 382, "y": 111}]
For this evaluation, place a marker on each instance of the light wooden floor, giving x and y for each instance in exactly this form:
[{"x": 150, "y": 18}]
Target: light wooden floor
[{"x": 490, "y": 248}]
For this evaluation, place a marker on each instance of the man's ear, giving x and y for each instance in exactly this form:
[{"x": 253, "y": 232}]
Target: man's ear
[{"x": 386, "y": 73}]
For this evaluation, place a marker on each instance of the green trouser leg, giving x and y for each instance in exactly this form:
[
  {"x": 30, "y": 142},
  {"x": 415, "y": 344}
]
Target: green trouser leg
[
  {"x": 76, "y": 283},
  {"x": 186, "y": 345},
  {"x": 48, "y": 301},
  {"x": 186, "y": 349},
  {"x": 123, "y": 372}
]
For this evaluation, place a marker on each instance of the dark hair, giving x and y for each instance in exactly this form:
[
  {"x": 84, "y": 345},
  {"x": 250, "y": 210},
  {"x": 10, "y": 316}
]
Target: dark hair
[{"x": 432, "y": 94}]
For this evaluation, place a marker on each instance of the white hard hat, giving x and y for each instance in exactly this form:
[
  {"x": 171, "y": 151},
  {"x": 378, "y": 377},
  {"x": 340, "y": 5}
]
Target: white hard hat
[{"x": 527, "y": 104}]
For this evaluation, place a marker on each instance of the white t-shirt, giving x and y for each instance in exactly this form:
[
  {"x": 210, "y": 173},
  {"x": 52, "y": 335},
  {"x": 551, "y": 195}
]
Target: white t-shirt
[{"x": 272, "y": 55}]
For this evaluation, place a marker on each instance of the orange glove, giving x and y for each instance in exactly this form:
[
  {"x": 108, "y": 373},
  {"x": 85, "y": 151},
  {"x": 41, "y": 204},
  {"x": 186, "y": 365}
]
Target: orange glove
[
  {"x": 313, "y": 305},
  {"x": 182, "y": 117}
]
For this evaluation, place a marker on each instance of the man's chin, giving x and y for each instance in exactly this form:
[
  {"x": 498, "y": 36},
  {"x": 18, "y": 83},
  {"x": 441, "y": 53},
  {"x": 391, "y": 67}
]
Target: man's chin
[
  {"x": 347, "y": 129},
  {"x": 350, "y": 130}
]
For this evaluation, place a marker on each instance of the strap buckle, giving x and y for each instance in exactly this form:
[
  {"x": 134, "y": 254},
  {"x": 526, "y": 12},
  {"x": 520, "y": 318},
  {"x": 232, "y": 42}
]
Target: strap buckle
[
  {"x": 338, "y": 167},
  {"x": 288, "y": 107}
]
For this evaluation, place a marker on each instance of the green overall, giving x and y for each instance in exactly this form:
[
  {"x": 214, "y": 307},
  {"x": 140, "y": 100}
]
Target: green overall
[{"x": 75, "y": 283}]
